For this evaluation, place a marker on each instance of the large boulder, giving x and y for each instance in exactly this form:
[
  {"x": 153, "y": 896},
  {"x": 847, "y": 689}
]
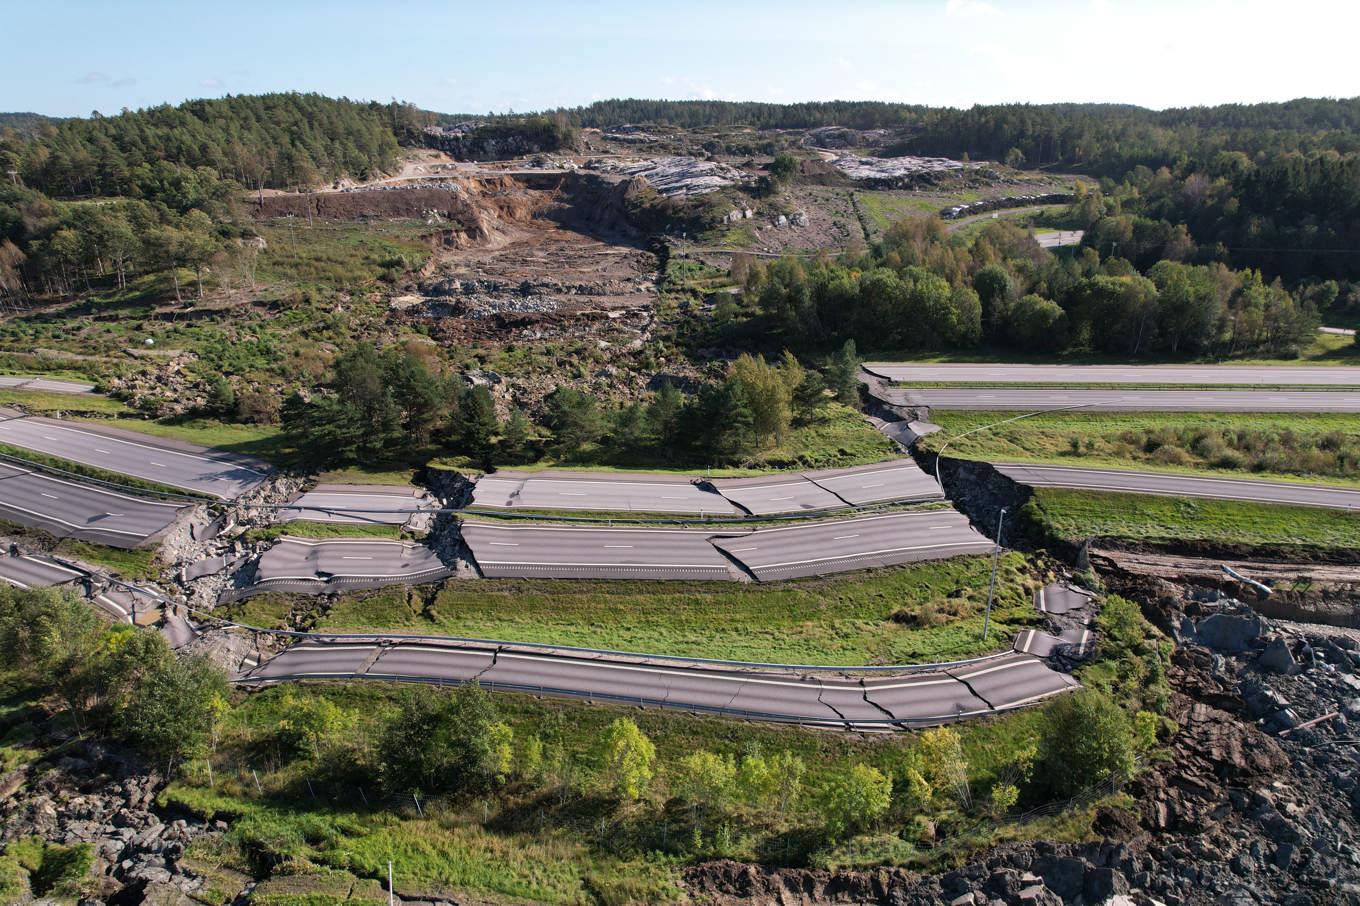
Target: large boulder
[{"x": 1229, "y": 633}]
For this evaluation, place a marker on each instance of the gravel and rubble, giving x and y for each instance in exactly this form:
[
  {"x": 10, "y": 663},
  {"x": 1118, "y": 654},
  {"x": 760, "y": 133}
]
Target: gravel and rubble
[{"x": 674, "y": 177}]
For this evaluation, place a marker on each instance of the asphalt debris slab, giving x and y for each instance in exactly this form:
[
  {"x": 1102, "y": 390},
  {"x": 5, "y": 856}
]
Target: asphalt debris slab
[
  {"x": 358, "y": 504},
  {"x": 901, "y": 480},
  {"x": 598, "y": 492},
  {"x": 771, "y": 495},
  {"x": 593, "y": 553},
  {"x": 70, "y": 508},
  {"x": 175, "y": 464},
  {"x": 1060, "y": 599},
  {"x": 314, "y": 567},
  {"x": 821, "y": 548}
]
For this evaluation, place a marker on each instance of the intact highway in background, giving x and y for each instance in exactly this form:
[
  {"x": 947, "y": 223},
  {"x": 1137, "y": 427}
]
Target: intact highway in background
[
  {"x": 1272, "y": 376},
  {"x": 1173, "y": 485},
  {"x": 48, "y": 385},
  {"x": 1001, "y": 399},
  {"x": 359, "y": 504}
]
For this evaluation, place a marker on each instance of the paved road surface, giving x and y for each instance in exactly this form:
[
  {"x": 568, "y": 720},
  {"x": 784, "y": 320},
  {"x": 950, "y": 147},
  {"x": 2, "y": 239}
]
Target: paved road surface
[
  {"x": 820, "y": 548},
  {"x": 769, "y": 495},
  {"x": 1060, "y": 599},
  {"x": 1052, "y": 239},
  {"x": 1008, "y": 400},
  {"x": 358, "y": 504},
  {"x": 1319, "y": 376},
  {"x": 884, "y": 482},
  {"x": 50, "y": 385},
  {"x": 171, "y": 463},
  {"x": 69, "y": 508},
  {"x": 593, "y": 553},
  {"x": 564, "y": 490},
  {"x": 1069, "y": 642},
  {"x": 1040, "y": 476},
  {"x": 24, "y": 571},
  {"x": 912, "y": 698},
  {"x": 298, "y": 564}
]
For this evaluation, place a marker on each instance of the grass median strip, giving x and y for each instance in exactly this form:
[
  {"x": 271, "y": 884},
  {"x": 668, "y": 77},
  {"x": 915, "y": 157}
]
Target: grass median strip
[{"x": 916, "y": 613}]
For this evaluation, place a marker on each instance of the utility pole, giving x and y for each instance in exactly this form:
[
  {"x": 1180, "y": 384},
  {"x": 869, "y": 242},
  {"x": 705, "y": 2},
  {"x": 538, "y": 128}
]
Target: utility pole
[
  {"x": 991, "y": 588},
  {"x": 390, "y": 900}
]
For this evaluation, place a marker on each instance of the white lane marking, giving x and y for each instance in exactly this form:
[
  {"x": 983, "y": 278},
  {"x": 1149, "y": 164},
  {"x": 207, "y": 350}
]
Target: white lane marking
[
  {"x": 1026, "y": 662},
  {"x": 356, "y": 558},
  {"x": 868, "y": 486},
  {"x": 504, "y": 543},
  {"x": 844, "y": 537},
  {"x": 15, "y": 582},
  {"x": 159, "y": 465},
  {"x": 629, "y": 546},
  {"x": 572, "y": 493},
  {"x": 856, "y": 556},
  {"x": 738, "y": 550},
  {"x": 48, "y": 437},
  {"x": 781, "y": 498},
  {"x": 105, "y": 452},
  {"x": 53, "y": 496}
]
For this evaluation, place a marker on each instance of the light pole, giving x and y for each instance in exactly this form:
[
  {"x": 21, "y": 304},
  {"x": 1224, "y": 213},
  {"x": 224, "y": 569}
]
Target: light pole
[{"x": 991, "y": 588}]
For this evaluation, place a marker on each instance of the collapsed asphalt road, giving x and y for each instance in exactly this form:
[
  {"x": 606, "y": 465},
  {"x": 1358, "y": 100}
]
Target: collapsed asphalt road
[
  {"x": 178, "y": 465},
  {"x": 341, "y": 564},
  {"x": 805, "y": 549},
  {"x": 72, "y": 509},
  {"x": 831, "y": 697},
  {"x": 1164, "y": 484}
]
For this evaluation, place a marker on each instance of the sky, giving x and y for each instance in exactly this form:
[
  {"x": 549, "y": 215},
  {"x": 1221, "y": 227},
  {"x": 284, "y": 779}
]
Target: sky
[{"x": 68, "y": 58}]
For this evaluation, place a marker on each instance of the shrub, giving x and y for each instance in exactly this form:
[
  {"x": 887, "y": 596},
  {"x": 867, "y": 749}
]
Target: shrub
[{"x": 1087, "y": 739}]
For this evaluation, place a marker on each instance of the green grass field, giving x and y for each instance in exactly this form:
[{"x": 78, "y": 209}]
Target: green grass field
[
  {"x": 1321, "y": 448},
  {"x": 917, "y": 613},
  {"x": 1287, "y": 531}
]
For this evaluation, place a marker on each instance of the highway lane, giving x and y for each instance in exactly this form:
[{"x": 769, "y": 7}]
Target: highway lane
[
  {"x": 25, "y": 571},
  {"x": 885, "y": 482},
  {"x": 1276, "y": 376},
  {"x": 1059, "y": 599},
  {"x": 1208, "y": 400},
  {"x": 171, "y": 463},
  {"x": 770, "y": 495},
  {"x": 300, "y": 564},
  {"x": 1171, "y": 485},
  {"x": 934, "y": 695},
  {"x": 358, "y": 504},
  {"x": 819, "y": 548},
  {"x": 621, "y": 492},
  {"x": 69, "y": 508},
  {"x": 597, "y": 553},
  {"x": 49, "y": 385}
]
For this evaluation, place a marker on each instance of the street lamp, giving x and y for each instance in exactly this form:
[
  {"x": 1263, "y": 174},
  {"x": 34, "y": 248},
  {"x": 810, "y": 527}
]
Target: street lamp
[{"x": 991, "y": 588}]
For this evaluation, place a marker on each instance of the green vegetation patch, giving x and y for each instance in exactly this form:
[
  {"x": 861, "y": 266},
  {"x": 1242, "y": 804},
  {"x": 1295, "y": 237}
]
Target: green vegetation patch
[
  {"x": 42, "y": 402},
  {"x": 341, "y": 255},
  {"x": 1281, "y": 446},
  {"x": 1078, "y": 515},
  {"x": 921, "y": 612}
]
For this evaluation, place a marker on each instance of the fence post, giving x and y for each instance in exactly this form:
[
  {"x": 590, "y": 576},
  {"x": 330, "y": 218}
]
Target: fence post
[{"x": 259, "y": 789}]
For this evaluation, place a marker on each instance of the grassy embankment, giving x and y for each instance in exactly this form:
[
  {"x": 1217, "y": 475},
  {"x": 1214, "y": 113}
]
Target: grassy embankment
[
  {"x": 1280, "y": 530},
  {"x": 918, "y": 613},
  {"x": 1317, "y": 448}
]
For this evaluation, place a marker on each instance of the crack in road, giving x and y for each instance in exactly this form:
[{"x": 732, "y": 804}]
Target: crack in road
[
  {"x": 821, "y": 689},
  {"x": 969, "y": 686},
  {"x": 865, "y": 689}
]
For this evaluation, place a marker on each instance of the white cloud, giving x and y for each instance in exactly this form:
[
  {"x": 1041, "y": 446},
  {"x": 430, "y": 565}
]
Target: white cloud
[{"x": 970, "y": 9}]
